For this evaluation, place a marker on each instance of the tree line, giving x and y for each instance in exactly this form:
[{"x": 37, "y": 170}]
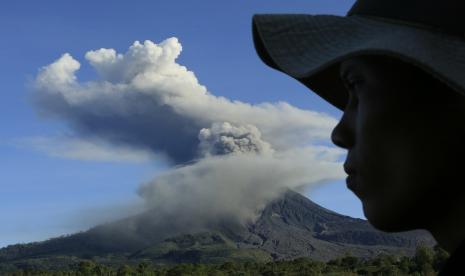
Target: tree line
[{"x": 426, "y": 261}]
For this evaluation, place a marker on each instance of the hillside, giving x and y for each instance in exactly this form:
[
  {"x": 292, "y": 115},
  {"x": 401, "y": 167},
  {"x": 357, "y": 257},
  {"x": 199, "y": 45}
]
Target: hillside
[{"x": 289, "y": 227}]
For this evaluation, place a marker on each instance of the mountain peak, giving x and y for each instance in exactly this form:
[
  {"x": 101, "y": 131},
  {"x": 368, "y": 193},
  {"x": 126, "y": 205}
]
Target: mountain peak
[{"x": 290, "y": 226}]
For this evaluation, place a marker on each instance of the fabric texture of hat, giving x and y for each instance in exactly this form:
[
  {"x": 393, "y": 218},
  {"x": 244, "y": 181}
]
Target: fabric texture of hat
[{"x": 309, "y": 48}]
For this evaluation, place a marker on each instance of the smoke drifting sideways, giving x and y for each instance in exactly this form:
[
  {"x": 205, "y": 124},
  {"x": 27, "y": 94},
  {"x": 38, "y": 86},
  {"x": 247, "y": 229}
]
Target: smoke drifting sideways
[{"x": 227, "y": 158}]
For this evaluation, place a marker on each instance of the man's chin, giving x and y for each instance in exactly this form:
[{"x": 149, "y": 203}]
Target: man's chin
[{"x": 388, "y": 220}]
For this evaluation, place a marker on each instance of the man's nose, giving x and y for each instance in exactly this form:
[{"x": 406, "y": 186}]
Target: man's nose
[{"x": 343, "y": 134}]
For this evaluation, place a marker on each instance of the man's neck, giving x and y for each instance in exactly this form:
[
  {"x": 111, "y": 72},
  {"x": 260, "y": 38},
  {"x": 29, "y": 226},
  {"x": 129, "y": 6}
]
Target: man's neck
[{"x": 449, "y": 230}]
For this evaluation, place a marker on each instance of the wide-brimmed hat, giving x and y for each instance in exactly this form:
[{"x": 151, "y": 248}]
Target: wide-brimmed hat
[{"x": 426, "y": 33}]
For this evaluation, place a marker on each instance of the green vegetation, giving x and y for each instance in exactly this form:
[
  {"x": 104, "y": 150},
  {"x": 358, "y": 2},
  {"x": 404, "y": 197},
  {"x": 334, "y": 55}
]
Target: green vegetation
[
  {"x": 427, "y": 261},
  {"x": 212, "y": 248}
]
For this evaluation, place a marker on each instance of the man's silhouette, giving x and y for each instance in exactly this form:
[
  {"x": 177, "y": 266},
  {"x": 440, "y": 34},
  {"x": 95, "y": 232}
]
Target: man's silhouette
[
  {"x": 405, "y": 136},
  {"x": 397, "y": 71}
]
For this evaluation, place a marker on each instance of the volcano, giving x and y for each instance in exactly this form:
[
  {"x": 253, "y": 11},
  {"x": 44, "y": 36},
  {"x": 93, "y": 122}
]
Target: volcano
[{"x": 289, "y": 227}]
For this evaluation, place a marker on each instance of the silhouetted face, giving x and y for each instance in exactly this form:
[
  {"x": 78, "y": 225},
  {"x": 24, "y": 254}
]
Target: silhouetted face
[{"x": 404, "y": 132}]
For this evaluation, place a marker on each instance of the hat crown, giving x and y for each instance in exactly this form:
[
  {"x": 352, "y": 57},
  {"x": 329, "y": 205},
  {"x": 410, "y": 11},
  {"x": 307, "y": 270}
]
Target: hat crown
[{"x": 445, "y": 15}]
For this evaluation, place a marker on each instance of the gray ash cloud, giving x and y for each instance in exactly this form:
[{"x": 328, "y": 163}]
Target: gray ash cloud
[{"x": 228, "y": 157}]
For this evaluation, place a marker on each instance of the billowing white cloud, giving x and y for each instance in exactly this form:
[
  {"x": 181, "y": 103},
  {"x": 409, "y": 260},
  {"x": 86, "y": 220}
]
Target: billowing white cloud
[
  {"x": 157, "y": 61},
  {"x": 59, "y": 75},
  {"x": 145, "y": 99},
  {"x": 240, "y": 155}
]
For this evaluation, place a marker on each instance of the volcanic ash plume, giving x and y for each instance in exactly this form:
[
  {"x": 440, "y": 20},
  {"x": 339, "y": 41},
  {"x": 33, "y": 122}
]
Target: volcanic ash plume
[
  {"x": 225, "y": 138},
  {"x": 228, "y": 158}
]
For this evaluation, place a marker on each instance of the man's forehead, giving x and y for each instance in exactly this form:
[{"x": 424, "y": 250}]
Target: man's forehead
[{"x": 360, "y": 63}]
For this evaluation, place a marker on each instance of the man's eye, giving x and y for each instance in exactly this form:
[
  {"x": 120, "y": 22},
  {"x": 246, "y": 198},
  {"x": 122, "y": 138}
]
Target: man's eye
[{"x": 353, "y": 83}]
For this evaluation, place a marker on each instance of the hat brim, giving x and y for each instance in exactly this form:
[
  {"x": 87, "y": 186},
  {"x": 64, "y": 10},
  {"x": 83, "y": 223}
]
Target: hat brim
[{"x": 310, "y": 47}]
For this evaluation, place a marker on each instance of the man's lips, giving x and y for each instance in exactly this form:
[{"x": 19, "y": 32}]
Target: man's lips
[
  {"x": 353, "y": 184},
  {"x": 349, "y": 168}
]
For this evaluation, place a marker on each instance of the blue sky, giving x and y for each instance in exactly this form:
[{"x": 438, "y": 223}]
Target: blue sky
[{"x": 43, "y": 196}]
